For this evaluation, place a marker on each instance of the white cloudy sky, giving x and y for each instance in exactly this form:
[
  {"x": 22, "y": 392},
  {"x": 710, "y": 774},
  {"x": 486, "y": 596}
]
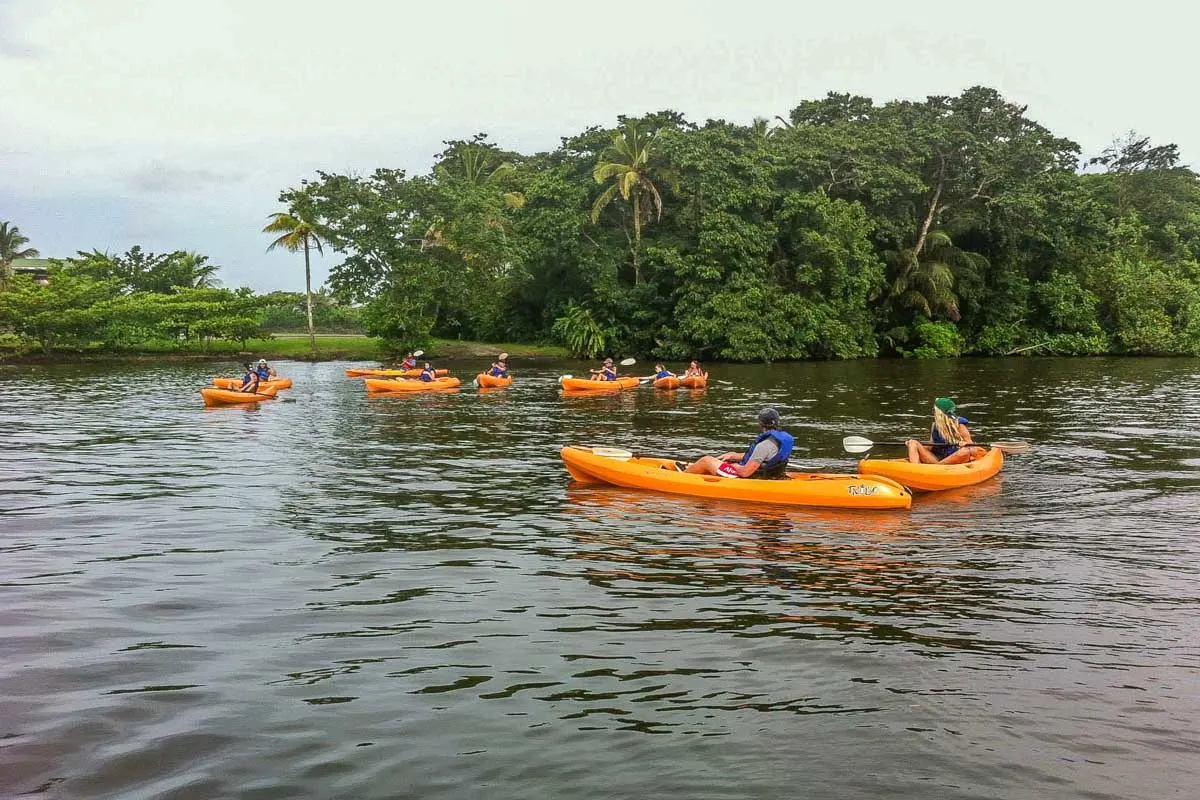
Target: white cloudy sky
[{"x": 174, "y": 124}]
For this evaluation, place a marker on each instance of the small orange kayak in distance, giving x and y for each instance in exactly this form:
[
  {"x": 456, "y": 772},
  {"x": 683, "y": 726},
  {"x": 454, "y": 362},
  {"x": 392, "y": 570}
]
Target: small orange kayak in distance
[
  {"x": 410, "y": 385},
  {"x": 391, "y": 373},
  {"x": 668, "y": 383},
  {"x": 225, "y": 397},
  {"x": 233, "y": 383},
  {"x": 828, "y": 490},
  {"x": 694, "y": 382},
  {"x": 485, "y": 381},
  {"x": 936, "y": 477},
  {"x": 588, "y": 385}
]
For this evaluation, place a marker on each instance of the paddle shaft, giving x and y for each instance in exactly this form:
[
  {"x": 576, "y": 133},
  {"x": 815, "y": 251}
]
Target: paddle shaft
[
  {"x": 931, "y": 444},
  {"x": 239, "y": 391}
]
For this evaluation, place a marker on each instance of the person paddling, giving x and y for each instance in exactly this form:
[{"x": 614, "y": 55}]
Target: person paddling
[
  {"x": 766, "y": 457},
  {"x": 265, "y": 373},
  {"x": 499, "y": 367},
  {"x": 249, "y": 380},
  {"x": 948, "y": 433},
  {"x": 428, "y": 374},
  {"x": 608, "y": 372},
  {"x": 661, "y": 372},
  {"x": 409, "y": 362}
]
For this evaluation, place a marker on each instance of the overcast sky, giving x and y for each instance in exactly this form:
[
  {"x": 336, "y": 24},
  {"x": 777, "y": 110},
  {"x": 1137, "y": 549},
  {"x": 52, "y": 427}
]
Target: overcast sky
[{"x": 175, "y": 124}]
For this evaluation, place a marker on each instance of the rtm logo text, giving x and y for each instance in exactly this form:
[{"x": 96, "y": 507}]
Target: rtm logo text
[{"x": 862, "y": 489}]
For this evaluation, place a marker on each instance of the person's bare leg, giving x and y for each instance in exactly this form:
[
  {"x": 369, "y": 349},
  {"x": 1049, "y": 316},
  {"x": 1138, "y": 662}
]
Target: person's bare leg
[
  {"x": 919, "y": 453},
  {"x": 707, "y": 465},
  {"x": 962, "y": 455}
]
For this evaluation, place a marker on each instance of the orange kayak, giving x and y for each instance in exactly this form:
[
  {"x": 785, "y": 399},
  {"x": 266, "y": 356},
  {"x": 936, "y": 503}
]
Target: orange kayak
[
  {"x": 221, "y": 397},
  {"x": 233, "y": 383},
  {"x": 409, "y": 385},
  {"x": 935, "y": 477},
  {"x": 694, "y": 382},
  {"x": 588, "y": 385},
  {"x": 392, "y": 373},
  {"x": 485, "y": 381},
  {"x": 828, "y": 490},
  {"x": 668, "y": 383}
]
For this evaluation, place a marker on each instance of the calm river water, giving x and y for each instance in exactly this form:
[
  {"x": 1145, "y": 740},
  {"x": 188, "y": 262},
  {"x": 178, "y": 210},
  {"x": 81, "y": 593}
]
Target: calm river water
[{"x": 343, "y": 596}]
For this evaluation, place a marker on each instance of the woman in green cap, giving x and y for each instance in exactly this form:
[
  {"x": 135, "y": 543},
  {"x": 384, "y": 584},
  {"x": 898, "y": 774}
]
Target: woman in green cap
[{"x": 949, "y": 433}]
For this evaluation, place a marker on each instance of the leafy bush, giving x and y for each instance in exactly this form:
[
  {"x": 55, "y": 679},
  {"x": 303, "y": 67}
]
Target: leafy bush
[{"x": 579, "y": 332}]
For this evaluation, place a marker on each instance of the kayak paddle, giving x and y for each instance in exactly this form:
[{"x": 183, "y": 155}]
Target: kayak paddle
[{"x": 857, "y": 444}]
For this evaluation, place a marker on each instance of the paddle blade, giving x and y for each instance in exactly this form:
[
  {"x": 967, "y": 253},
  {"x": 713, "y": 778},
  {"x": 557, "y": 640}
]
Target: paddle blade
[
  {"x": 856, "y": 444},
  {"x": 612, "y": 452},
  {"x": 418, "y": 353},
  {"x": 562, "y": 378},
  {"x": 1012, "y": 448},
  {"x": 628, "y": 362}
]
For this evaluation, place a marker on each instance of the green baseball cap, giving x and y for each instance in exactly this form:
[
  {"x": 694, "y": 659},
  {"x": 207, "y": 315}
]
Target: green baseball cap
[{"x": 945, "y": 405}]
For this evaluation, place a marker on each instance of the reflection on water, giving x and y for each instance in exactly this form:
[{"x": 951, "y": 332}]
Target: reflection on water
[{"x": 353, "y": 595}]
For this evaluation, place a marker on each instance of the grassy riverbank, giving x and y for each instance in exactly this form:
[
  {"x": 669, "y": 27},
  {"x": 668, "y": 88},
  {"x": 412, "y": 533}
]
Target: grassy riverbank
[{"x": 293, "y": 346}]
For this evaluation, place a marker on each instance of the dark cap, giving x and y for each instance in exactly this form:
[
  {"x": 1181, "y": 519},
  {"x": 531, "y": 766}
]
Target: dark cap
[{"x": 768, "y": 418}]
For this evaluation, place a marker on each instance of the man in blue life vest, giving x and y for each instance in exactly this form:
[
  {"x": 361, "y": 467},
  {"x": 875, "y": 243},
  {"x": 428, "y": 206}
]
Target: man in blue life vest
[{"x": 767, "y": 456}]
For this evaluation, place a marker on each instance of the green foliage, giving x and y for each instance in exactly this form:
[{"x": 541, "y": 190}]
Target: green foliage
[
  {"x": 934, "y": 340},
  {"x": 285, "y": 311},
  {"x": 139, "y": 271},
  {"x": 926, "y": 228},
  {"x": 75, "y": 311},
  {"x": 579, "y": 332},
  {"x": 12, "y": 247}
]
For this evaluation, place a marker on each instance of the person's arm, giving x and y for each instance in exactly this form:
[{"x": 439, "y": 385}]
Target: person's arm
[
  {"x": 763, "y": 451},
  {"x": 965, "y": 432},
  {"x": 746, "y": 470}
]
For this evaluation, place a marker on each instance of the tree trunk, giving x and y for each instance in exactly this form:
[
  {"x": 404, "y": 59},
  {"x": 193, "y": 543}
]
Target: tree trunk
[
  {"x": 927, "y": 223},
  {"x": 637, "y": 237},
  {"x": 312, "y": 334}
]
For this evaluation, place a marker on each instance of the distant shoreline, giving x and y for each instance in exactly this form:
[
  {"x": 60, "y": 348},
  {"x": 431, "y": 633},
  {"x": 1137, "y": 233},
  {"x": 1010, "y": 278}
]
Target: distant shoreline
[{"x": 294, "y": 347}]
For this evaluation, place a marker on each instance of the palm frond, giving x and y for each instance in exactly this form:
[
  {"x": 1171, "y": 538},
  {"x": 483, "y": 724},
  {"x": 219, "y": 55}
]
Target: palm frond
[{"x": 603, "y": 200}]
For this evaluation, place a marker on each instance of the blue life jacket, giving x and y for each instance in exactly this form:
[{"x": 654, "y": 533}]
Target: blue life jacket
[
  {"x": 772, "y": 467},
  {"x": 248, "y": 381},
  {"x": 663, "y": 374},
  {"x": 608, "y": 374},
  {"x": 264, "y": 373},
  {"x": 941, "y": 448},
  {"x": 498, "y": 371},
  {"x": 428, "y": 375}
]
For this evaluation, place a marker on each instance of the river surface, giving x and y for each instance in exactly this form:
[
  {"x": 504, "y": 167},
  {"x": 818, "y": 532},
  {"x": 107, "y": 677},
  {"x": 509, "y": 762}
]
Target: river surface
[{"x": 343, "y": 596}]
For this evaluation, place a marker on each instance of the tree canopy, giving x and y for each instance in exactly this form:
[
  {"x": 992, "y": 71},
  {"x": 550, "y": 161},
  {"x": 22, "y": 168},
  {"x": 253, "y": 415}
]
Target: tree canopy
[{"x": 844, "y": 228}]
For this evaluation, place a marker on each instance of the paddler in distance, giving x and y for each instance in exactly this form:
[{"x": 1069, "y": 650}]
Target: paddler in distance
[
  {"x": 499, "y": 368},
  {"x": 608, "y": 372}
]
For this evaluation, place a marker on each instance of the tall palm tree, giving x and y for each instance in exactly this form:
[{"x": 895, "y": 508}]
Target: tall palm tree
[
  {"x": 628, "y": 164},
  {"x": 200, "y": 274},
  {"x": 11, "y": 244},
  {"x": 926, "y": 278},
  {"x": 298, "y": 233}
]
